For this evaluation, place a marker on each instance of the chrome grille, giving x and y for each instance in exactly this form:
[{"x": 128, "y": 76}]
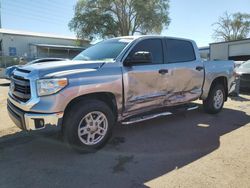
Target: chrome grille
[
  {"x": 245, "y": 77},
  {"x": 20, "y": 88}
]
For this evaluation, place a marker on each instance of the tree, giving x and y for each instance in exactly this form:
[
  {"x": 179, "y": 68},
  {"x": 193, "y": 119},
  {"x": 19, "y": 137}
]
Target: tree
[
  {"x": 232, "y": 27},
  {"x": 112, "y": 18}
]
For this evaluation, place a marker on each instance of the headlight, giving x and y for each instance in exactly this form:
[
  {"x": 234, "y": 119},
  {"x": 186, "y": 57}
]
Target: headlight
[{"x": 50, "y": 86}]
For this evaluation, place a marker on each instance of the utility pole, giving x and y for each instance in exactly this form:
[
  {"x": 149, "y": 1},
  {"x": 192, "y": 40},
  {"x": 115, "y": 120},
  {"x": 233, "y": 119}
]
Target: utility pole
[
  {"x": 0, "y": 14},
  {"x": 1, "y": 41}
]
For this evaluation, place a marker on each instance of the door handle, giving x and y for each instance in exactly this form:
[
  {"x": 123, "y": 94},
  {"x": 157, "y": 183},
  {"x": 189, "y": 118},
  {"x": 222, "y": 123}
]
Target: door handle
[
  {"x": 199, "y": 68},
  {"x": 163, "y": 71}
]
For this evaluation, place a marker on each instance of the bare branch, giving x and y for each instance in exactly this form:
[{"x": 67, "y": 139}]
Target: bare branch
[{"x": 232, "y": 26}]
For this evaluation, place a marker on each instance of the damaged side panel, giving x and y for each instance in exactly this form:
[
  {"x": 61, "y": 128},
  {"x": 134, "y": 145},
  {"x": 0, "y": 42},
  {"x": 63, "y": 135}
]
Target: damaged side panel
[{"x": 145, "y": 89}]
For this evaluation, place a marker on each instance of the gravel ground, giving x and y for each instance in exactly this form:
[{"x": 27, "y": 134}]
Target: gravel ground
[{"x": 191, "y": 149}]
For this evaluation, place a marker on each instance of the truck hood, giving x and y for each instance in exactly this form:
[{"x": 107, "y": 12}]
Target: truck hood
[
  {"x": 241, "y": 70},
  {"x": 62, "y": 68}
]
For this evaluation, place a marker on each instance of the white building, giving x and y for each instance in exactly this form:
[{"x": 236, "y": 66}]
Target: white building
[
  {"x": 238, "y": 50},
  {"x": 29, "y": 45}
]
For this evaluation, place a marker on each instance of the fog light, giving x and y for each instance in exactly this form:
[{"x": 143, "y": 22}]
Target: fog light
[{"x": 39, "y": 123}]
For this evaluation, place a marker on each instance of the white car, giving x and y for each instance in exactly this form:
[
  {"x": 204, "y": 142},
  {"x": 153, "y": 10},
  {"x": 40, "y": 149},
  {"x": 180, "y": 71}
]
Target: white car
[{"x": 10, "y": 70}]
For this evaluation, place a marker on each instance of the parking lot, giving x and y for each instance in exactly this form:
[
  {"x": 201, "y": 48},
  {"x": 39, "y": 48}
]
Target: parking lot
[{"x": 191, "y": 149}]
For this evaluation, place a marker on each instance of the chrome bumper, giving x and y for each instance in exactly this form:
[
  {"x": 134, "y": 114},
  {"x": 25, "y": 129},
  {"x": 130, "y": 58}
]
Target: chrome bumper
[
  {"x": 33, "y": 121},
  {"x": 25, "y": 106}
]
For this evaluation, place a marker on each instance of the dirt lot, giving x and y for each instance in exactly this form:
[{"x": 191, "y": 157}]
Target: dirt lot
[{"x": 191, "y": 149}]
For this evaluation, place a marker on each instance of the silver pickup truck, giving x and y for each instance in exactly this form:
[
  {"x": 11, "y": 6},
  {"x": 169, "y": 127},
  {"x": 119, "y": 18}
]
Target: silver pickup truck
[{"x": 126, "y": 80}]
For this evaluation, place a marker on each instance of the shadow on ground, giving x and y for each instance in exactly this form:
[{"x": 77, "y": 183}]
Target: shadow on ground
[
  {"x": 240, "y": 97},
  {"x": 136, "y": 153}
]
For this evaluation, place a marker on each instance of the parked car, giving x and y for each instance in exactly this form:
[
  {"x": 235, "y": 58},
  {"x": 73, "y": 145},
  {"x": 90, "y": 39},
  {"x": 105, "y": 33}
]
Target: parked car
[
  {"x": 237, "y": 64},
  {"x": 235, "y": 90},
  {"x": 244, "y": 72},
  {"x": 126, "y": 80},
  {"x": 9, "y": 70}
]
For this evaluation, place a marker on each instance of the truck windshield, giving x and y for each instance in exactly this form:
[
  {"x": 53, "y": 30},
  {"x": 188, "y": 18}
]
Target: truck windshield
[{"x": 107, "y": 50}]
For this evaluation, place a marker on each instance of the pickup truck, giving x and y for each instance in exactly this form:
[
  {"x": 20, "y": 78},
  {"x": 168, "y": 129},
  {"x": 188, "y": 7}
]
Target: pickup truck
[{"x": 125, "y": 80}]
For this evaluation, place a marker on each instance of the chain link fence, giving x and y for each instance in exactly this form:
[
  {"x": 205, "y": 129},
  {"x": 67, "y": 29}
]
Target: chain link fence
[{"x": 7, "y": 61}]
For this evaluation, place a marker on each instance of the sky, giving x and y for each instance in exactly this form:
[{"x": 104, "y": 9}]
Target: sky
[{"x": 192, "y": 19}]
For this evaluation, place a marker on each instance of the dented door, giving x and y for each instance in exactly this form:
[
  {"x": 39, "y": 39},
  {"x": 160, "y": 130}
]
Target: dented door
[
  {"x": 144, "y": 87},
  {"x": 186, "y": 72},
  {"x": 144, "y": 84},
  {"x": 184, "y": 83}
]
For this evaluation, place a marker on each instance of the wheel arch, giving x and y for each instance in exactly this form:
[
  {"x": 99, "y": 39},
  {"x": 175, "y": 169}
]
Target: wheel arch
[
  {"x": 106, "y": 97},
  {"x": 223, "y": 81}
]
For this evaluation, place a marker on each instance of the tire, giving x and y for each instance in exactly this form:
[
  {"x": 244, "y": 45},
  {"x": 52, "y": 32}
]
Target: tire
[
  {"x": 215, "y": 100},
  {"x": 80, "y": 128}
]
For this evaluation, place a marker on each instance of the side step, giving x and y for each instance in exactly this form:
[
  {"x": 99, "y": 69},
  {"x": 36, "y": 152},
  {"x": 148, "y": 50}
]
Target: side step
[{"x": 155, "y": 115}]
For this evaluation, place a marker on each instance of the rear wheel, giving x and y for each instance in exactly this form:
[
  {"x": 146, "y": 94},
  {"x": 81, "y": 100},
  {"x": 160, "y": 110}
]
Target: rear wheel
[
  {"x": 215, "y": 100},
  {"x": 88, "y": 125}
]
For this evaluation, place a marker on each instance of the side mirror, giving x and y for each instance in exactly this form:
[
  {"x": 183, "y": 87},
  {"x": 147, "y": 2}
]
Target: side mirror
[{"x": 140, "y": 57}]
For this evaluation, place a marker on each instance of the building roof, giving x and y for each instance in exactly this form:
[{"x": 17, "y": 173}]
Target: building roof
[
  {"x": 46, "y": 35},
  {"x": 230, "y": 41},
  {"x": 59, "y": 46}
]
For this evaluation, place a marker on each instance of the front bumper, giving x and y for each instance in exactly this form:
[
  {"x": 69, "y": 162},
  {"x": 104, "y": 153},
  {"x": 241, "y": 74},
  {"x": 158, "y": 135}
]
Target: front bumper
[
  {"x": 32, "y": 121},
  {"x": 245, "y": 84}
]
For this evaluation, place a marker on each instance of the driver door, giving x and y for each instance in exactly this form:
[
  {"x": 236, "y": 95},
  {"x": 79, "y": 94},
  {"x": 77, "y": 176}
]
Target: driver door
[{"x": 145, "y": 83}]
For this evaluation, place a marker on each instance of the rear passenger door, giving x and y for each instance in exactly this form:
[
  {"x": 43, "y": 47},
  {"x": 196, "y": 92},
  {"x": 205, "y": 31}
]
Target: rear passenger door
[{"x": 185, "y": 72}]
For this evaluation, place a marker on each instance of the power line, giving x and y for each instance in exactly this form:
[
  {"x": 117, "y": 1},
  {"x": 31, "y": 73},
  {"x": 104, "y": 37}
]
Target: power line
[
  {"x": 41, "y": 12},
  {"x": 47, "y": 11},
  {"x": 40, "y": 7},
  {"x": 30, "y": 17},
  {"x": 21, "y": 13},
  {"x": 26, "y": 10},
  {"x": 0, "y": 14},
  {"x": 64, "y": 2}
]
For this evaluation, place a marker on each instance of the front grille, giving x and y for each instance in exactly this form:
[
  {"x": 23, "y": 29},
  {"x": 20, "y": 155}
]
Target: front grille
[
  {"x": 20, "y": 88},
  {"x": 16, "y": 115},
  {"x": 245, "y": 77}
]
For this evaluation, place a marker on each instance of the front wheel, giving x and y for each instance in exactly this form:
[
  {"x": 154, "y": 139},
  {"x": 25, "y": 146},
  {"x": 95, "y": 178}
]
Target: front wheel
[
  {"x": 215, "y": 100},
  {"x": 88, "y": 125}
]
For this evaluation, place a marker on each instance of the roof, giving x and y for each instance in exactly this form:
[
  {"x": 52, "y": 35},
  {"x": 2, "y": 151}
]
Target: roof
[
  {"x": 230, "y": 41},
  {"x": 59, "y": 46},
  {"x": 46, "y": 35},
  {"x": 151, "y": 36}
]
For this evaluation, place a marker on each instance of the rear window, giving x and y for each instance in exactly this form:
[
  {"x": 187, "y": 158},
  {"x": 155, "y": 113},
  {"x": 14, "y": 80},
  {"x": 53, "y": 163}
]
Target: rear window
[{"x": 179, "y": 51}]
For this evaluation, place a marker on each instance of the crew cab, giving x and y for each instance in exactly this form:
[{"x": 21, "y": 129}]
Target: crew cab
[{"x": 126, "y": 80}]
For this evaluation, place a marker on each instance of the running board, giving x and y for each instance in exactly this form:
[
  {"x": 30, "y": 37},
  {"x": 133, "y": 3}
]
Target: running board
[
  {"x": 148, "y": 117},
  {"x": 192, "y": 108}
]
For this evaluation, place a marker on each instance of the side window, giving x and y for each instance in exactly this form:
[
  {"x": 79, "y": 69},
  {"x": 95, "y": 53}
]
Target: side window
[
  {"x": 179, "y": 51},
  {"x": 154, "y": 46}
]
